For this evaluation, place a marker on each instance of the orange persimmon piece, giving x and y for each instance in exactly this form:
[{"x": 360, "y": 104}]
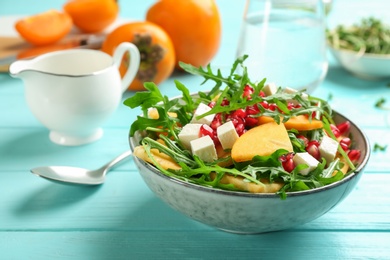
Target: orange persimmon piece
[
  {"x": 44, "y": 28},
  {"x": 240, "y": 183},
  {"x": 164, "y": 160},
  {"x": 261, "y": 140},
  {"x": 300, "y": 123}
]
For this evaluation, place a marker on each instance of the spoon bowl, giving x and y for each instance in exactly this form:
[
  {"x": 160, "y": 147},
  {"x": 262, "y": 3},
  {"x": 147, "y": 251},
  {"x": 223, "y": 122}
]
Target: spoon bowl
[{"x": 80, "y": 176}]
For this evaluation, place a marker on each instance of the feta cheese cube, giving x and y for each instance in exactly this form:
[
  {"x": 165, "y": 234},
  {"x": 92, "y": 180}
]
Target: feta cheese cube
[
  {"x": 204, "y": 148},
  {"x": 227, "y": 135},
  {"x": 188, "y": 133},
  {"x": 328, "y": 148},
  {"x": 201, "y": 109},
  {"x": 270, "y": 89},
  {"x": 293, "y": 91},
  {"x": 305, "y": 158}
]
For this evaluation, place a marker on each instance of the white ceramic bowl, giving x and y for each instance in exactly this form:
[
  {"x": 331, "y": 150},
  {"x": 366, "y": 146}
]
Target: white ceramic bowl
[
  {"x": 365, "y": 66},
  {"x": 247, "y": 213}
]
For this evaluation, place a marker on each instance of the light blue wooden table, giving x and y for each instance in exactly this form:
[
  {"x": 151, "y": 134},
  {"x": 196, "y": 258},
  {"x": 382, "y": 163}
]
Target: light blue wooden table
[{"x": 123, "y": 218}]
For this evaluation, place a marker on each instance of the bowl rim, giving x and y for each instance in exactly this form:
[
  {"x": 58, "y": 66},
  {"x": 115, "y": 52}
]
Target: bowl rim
[{"x": 356, "y": 173}]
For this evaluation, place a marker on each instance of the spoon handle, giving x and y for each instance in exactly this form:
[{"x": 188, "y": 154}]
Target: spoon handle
[{"x": 116, "y": 160}]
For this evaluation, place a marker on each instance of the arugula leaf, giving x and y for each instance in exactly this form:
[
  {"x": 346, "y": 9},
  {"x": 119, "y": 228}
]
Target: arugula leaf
[
  {"x": 380, "y": 103},
  {"x": 378, "y": 147},
  {"x": 145, "y": 99},
  {"x": 297, "y": 143}
]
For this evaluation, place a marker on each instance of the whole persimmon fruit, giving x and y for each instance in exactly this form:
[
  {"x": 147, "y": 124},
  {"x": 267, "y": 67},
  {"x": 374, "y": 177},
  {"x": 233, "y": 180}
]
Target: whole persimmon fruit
[
  {"x": 193, "y": 25},
  {"x": 155, "y": 46},
  {"x": 44, "y": 28},
  {"x": 92, "y": 16}
]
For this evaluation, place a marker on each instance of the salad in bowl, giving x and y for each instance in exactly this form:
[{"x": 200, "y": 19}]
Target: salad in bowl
[
  {"x": 243, "y": 136},
  {"x": 245, "y": 157}
]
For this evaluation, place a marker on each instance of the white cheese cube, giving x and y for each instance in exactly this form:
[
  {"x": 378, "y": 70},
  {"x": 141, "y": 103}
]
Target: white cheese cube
[
  {"x": 204, "y": 148},
  {"x": 328, "y": 148},
  {"x": 201, "y": 109},
  {"x": 270, "y": 89},
  {"x": 188, "y": 133},
  {"x": 227, "y": 135},
  {"x": 305, "y": 158},
  {"x": 293, "y": 91}
]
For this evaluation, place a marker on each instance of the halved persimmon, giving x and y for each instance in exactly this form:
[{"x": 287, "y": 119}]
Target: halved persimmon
[
  {"x": 44, "y": 28},
  {"x": 92, "y": 16},
  {"x": 155, "y": 46},
  {"x": 193, "y": 25}
]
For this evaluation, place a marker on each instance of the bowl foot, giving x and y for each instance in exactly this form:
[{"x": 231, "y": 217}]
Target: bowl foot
[{"x": 71, "y": 140}]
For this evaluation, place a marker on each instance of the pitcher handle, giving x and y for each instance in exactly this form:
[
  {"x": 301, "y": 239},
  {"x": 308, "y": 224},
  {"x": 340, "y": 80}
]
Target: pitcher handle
[{"x": 134, "y": 62}]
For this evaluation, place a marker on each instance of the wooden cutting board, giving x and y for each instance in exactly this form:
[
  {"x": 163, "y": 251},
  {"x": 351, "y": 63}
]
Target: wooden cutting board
[
  {"x": 12, "y": 46},
  {"x": 10, "y": 42}
]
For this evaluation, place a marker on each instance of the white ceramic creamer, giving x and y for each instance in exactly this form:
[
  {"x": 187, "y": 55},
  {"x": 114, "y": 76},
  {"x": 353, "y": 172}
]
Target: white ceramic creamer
[{"x": 73, "y": 92}]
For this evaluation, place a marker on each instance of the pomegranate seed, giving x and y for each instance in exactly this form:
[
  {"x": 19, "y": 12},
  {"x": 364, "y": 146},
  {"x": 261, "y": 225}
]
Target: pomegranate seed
[
  {"x": 304, "y": 139},
  {"x": 247, "y": 93},
  {"x": 240, "y": 129},
  {"x": 261, "y": 94},
  {"x": 313, "y": 150},
  {"x": 212, "y": 104},
  {"x": 206, "y": 130},
  {"x": 345, "y": 143},
  {"x": 264, "y": 104},
  {"x": 290, "y": 106},
  {"x": 344, "y": 127},
  {"x": 248, "y": 88},
  {"x": 234, "y": 120},
  {"x": 344, "y": 146},
  {"x": 252, "y": 110},
  {"x": 217, "y": 121},
  {"x": 335, "y": 131},
  {"x": 287, "y": 162},
  {"x": 272, "y": 107},
  {"x": 239, "y": 113},
  {"x": 354, "y": 155},
  {"x": 314, "y": 142},
  {"x": 250, "y": 121},
  {"x": 311, "y": 114},
  {"x": 225, "y": 102}
]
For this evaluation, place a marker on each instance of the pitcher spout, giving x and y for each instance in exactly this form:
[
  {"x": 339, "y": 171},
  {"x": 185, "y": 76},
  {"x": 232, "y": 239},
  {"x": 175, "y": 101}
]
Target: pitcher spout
[{"x": 18, "y": 68}]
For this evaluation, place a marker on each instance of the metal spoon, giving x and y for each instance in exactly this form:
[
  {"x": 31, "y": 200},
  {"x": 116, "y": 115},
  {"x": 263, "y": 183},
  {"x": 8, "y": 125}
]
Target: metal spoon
[{"x": 74, "y": 175}]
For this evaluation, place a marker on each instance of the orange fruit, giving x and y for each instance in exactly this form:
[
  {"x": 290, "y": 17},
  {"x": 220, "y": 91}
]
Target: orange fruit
[
  {"x": 155, "y": 46},
  {"x": 92, "y": 16},
  {"x": 193, "y": 25},
  {"x": 44, "y": 28}
]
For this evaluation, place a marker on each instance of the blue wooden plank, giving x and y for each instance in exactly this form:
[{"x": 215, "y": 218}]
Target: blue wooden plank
[{"x": 204, "y": 244}]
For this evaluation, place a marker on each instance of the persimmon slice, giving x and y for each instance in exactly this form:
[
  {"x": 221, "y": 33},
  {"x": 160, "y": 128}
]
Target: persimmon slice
[
  {"x": 300, "y": 123},
  {"x": 261, "y": 140},
  {"x": 44, "y": 28}
]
